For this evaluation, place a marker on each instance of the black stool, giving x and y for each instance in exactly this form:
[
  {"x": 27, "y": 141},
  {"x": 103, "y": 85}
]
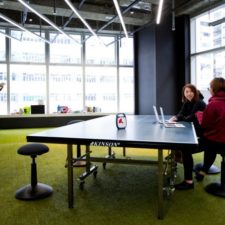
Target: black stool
[
  {"x": 34, "y": 190},
  {"x": 216, "y": 188}
]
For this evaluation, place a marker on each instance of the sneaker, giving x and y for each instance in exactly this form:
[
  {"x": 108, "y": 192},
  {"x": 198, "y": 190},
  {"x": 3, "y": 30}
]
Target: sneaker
[
  {"x": 184, "y": 186},
  {"x": 198, "y": 176}
]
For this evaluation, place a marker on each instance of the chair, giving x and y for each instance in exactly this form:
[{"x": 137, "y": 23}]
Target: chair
[
  {"x": 34, "y": 190},
  {"x": 217, "y": 188}
]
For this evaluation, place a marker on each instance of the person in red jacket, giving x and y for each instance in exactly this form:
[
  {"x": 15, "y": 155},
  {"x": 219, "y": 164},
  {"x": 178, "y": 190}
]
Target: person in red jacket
[{"x": 212, "y": 122}]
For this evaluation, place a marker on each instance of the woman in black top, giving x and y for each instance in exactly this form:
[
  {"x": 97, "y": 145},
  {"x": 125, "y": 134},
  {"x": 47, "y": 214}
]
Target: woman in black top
[{"x": 192, "y": 102}]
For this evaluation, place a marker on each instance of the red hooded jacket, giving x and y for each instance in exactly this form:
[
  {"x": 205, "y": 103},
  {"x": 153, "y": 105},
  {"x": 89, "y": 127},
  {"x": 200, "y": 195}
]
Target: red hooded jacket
[{"x": 212, "y": 119}]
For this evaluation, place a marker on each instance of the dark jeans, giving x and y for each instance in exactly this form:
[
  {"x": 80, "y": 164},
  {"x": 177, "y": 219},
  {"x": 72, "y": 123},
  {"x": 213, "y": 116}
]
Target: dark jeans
[
  {"x": 210, "y": 148},
  {"x": 188, "y": 162}
]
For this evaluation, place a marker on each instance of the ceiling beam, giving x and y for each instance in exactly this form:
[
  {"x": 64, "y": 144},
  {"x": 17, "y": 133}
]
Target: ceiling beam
[
  {"x": 195, "y": 7},
  {"x": 89, "y": 13}
]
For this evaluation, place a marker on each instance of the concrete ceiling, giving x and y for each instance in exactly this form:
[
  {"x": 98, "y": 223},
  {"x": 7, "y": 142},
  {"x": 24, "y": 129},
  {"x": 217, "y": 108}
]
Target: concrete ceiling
[{"x": 100, "y": 14}]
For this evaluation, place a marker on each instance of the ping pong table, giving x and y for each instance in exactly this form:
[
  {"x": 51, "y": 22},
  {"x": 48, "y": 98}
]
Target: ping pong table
[{"x": 142, "y": 131}]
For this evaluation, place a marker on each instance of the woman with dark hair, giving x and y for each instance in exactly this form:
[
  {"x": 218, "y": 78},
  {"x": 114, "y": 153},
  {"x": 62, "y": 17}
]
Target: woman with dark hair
[
  {"x": 212, "y": 122},
  {"x": 192, "y": 102}
]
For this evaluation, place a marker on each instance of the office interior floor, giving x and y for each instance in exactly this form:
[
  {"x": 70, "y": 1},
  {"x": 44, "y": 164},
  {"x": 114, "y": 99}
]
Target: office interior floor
[{"x": 121, "y": 194}]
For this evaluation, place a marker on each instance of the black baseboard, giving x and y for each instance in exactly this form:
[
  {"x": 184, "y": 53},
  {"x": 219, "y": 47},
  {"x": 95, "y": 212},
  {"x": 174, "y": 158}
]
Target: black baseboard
[{"x": 38, "y": 121}]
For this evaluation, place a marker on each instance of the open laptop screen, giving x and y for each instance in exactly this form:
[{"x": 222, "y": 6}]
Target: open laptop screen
[{"x": 169, "y": 124}]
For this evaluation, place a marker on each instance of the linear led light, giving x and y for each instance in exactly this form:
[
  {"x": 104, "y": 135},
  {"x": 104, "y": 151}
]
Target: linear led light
[
  {"x": 46, "y": 20},
  {"x": 159, "y": 11},
  {"x": 21, "y": 27},
  {"x": 80, "y": 17},
  {"x": 120, "y": 16}
]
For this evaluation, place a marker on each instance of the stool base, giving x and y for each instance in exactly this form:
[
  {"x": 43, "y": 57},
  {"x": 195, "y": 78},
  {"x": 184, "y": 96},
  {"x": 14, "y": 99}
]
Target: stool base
[
  {"x": 212, "y": 170},
  {"x": 215, "y": 189},
  {"x": 26, "y": 192}
]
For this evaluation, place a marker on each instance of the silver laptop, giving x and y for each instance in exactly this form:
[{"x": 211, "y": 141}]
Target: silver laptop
[
  {"x": 157, "y": 116},
  {"x": 169, "y": 124}
]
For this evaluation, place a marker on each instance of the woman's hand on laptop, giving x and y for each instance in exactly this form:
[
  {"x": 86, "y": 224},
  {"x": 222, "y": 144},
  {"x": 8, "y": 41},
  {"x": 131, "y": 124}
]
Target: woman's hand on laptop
[{"x": 173, "y": 119}]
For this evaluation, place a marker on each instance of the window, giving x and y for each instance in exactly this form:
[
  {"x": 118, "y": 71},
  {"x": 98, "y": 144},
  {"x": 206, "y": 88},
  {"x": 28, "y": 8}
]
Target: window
[
  {"x": 3, "y": 93},
  {"x": 207, "y": 48},
  {"x": 78, "y": 73},
  {"x": 101, "y": 88},
  {"x": 65, "y": 88},
  {"x": 65, "y": 50},
  {"x": 126, "y": 51},
  {"x": 126, "y": 89},
  {"x": 27, "y": 86},
  {"x": 24, "y": 51},
  {"x": 100, "y": 51},
  {"x": 2, "y": 46}
]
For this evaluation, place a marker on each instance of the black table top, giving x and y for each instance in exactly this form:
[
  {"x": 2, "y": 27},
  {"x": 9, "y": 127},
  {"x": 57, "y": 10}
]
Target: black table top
[{"x": 141, "y": 131}]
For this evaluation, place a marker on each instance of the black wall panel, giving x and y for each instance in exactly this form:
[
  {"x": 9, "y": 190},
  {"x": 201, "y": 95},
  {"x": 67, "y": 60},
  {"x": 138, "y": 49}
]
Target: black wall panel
[
  {"x": 145, "y": 70},
  {"x": 162, "y": 65}
]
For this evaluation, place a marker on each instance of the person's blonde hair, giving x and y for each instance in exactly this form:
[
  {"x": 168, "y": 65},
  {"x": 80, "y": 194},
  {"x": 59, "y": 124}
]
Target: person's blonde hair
[
  {"x": 217, "y": 85},
  {"x": 193, "y": 89}
]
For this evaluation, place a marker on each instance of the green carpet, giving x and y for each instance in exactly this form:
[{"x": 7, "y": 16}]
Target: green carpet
[{"x": 121, "y": 194}]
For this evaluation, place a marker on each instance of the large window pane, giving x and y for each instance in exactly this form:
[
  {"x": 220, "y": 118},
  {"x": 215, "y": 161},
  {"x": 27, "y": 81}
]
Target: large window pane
[
  {"x": 126, "y": 51},
  {"x": 99, "y": 53},
  {"x": 2, "y": 45},
  {"x": 89, "y": 74},
  {"x": 101, "y": 88},
  {"x": 202, "y": 72},
  {"x": 66, "y": 88},
  {"x": 205, "y": 67},
  {"x": 3, "y": 93},
  {"x": 65, "y": 50},
  {"x": 126, "y": 90},
  {"x": 24, "y": 50},
  {"x": 208, "y": 31},
  {"x": 27, "y": 86}
]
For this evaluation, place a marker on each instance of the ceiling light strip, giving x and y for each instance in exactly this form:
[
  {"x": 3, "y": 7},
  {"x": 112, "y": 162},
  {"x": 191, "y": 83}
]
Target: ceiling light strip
[
  {"x": 46, "y": 20},
  {"x": 159, "y": 12},
  {"x": 120, "y": 16},
  {"x": 80, "y": 17},
  {"x": 21, "y": 27}
]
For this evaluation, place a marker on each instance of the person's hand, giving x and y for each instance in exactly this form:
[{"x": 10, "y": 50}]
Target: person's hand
[{"x": 173, "y": 119}]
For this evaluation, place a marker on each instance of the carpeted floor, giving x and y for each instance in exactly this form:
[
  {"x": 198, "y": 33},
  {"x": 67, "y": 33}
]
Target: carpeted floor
[{"x": 121, "y": 194}]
